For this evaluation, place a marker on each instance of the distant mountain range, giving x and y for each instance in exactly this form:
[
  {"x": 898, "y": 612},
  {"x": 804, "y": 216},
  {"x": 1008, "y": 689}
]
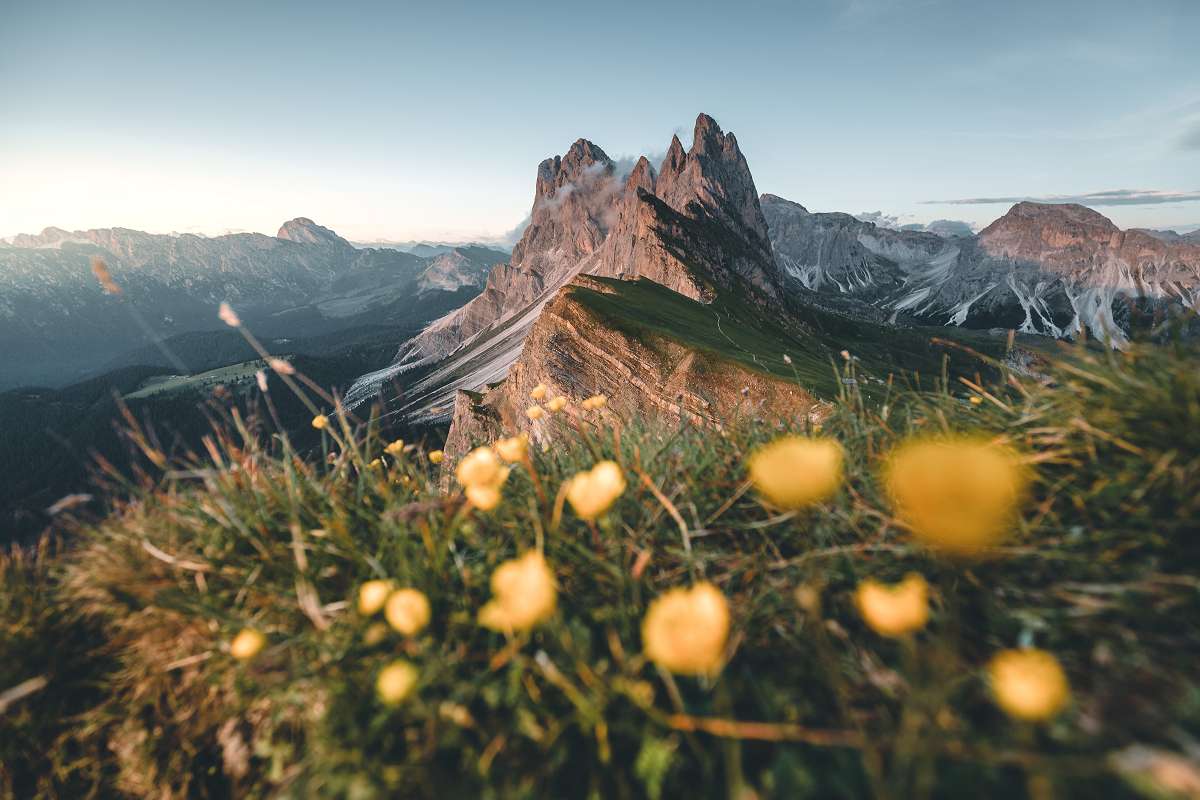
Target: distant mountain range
[
  {"x": 744, "y": 279},
  {"x": 426, "y": 249},
  {"x": 57, "y": 324}
]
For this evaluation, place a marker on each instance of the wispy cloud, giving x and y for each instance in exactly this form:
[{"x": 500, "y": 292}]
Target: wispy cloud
[{"x": 1113, "y": 197}]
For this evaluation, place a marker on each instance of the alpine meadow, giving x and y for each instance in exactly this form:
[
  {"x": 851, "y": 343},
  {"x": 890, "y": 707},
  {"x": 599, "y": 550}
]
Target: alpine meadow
[{"x": 661, "y": 486}]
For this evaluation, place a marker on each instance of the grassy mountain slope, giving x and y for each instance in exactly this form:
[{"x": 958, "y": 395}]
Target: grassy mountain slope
[{"x": 1100, "y": 570}]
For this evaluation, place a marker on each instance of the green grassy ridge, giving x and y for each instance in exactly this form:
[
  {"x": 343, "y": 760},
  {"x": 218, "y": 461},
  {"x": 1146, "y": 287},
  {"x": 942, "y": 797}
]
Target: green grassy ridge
[
  {"x": 1102, "y": 571},
  {"x": 732, "y": 330}
]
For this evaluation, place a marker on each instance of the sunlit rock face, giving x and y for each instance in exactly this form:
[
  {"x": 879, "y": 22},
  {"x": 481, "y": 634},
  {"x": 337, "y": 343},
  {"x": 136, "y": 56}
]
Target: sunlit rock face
[{"x": 694, "y": 226}]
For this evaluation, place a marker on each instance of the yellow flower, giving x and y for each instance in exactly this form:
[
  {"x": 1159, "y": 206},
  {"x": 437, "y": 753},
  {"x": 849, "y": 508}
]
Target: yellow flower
[
  {"x": 957, "y": 495},
  {"x": 684, "y": 630},
  {"x": 372, "y": 595},
  {"x": 481, "y": 467},
  {"x": 594, "y": 402},
  {"x": 436, "y": 456},
  {"x": 320, "y": 421},
  {"x": 538, "y": 392},
  {"x": 407, "y": 611},
  {"x": 513, "y": 449},
  {"x": 894, "y": 610},
  {"x": 1028, "y": 684},
  {"x": 976, "y": 400},
  {"x": 395, "y": 448},
  {"x": 797, "y": 471},
  {"x": 376, "y": 463},
  {"x": 556, "y": 404},
  {"x": 593, "y": 492},
  {"x": 375, "y": 634},
  {"x": 485, "y": 498},
  {"x": 247, "y": 644},
  {"x": 534, "y": 412},
  {"x": 396, "y": 682},
  {"x": 523, "y": 594}
]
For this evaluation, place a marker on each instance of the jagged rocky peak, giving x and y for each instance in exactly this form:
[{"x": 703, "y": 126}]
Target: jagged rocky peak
[
  {"x": 305, "y": 231},
  {"x": 715, "y": 176},
  {"x": 641, "y": 177}
]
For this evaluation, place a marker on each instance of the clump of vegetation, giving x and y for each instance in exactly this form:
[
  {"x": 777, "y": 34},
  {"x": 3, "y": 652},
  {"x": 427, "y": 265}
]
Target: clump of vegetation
[{"x": 696, "y": 616}]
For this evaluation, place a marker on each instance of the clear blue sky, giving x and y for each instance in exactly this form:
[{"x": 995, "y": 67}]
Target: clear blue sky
[{"x": 427, "y": 120}]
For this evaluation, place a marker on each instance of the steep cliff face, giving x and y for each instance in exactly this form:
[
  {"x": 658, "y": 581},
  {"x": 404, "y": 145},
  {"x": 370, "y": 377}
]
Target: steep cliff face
[
  {"x": 695, "y": 227},
  {"x": 577, "y": 352}
]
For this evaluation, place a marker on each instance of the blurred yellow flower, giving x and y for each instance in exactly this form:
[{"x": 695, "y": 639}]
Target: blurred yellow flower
[
  {"x": 407, "y": 611},
  {"x": 593, "y": 492},
  {"x": 958, "y": 495},
  {"x": 247, "y": 644},
  {"x": 1028, "y": 684},
  {"x": 485, "y": 498},
  {"x": 685, "y": 630},
  {"x": 395, "y": 448},
  {"x": 797, "y": 471},
  {"x": 523, "y": 594},
  {"x": 436, "y": 456},
  {"x": 534, "y": 412},
  {"x": 372, "y": 595},
  {"x": 228, "y": 315},
  {"x": 481, "y": 467},
  {"x": 375, "y": 634},
  {"x": 396, "y": 682},
  {"x": 976, "y": 400},
  {"x": 481, "y": 475},
  {"x": 281, "y": 366},
  {"x": 513, "y": 449},
  {"x": 538, "y": 392},
  {"x": 320, "y": 421},
  {"x": 594, "y": 402},
  {"x": 104, "y": 277},
  {"x": 894, "y": 610},
  {"x": 556, "y": 404}
]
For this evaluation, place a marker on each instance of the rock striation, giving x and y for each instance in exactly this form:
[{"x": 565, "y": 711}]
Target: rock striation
[
  {"x": 1051, "y": 269},
  {"x": 576, "y": 353}
]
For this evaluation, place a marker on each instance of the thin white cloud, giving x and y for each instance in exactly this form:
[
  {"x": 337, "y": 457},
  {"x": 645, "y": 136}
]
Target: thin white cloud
[{"x": 1112, "y": 197}]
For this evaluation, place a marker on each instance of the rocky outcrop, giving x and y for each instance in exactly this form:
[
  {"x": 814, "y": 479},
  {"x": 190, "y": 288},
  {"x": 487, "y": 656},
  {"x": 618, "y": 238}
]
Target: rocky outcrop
[{"x": 576, "y": 353}]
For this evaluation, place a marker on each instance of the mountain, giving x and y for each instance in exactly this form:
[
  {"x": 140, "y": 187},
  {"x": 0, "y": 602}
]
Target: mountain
[
  {"x": 1053, "y": 269},
  {"x": 500, "y": 250},
  {"x": 658, "y": 288},
  {"x": 1173, "y": 237},
  {"x": 58, "y": 324},
  {"x": 694, "y": 226}
]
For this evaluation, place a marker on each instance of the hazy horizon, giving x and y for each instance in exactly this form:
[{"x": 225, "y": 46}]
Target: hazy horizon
[{"x": 399, "y": 122}]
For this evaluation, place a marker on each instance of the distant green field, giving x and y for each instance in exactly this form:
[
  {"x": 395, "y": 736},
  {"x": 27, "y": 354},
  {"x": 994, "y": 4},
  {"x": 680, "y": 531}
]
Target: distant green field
[{"x": 201, "y": 382}]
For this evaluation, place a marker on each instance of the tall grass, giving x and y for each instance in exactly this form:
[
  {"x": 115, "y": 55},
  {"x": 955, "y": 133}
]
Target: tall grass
[{"x": 130, "y": 627}]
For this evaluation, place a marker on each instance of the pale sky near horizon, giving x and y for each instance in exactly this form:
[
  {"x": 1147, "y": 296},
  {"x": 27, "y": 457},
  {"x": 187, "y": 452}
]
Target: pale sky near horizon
[{"x": 403, "y": 120}]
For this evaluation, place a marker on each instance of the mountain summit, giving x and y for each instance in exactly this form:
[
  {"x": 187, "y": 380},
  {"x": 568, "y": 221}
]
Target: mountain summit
[{"x": 695, "y": 226}]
